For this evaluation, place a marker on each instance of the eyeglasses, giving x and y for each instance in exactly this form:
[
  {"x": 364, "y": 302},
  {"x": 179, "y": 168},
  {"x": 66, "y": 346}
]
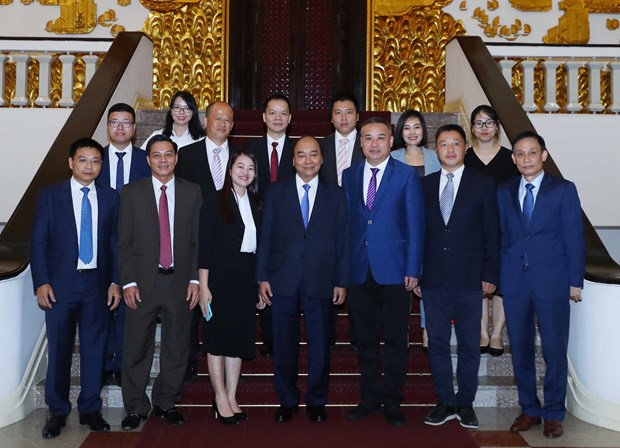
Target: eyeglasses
[
  {"x": 117, "y": 123},
  {"x": 490, "y": 124},
  {"x": 184, "y": 109},
  {"x": 85, "y": 161}
]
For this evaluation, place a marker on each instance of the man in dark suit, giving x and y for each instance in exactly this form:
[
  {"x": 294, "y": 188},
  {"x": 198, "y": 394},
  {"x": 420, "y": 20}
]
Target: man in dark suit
[
  {"x": 461, "y": 258},
  {"x": 542, "y": 267},
  {"x": 122, "y": 163},
  {"x": 158, "y": 247},
  {"x": 302, "y": 263},
  {"x": 387, "y": 226},
  {"x": 74, "y": 270},
  {"x": 274, "y": 159}
]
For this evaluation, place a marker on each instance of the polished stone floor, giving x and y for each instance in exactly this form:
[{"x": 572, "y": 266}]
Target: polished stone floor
[{"x": 493, "y": 432}]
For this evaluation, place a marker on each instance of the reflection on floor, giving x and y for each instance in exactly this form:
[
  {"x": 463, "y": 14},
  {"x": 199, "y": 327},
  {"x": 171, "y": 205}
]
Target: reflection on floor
[{"x": 493, "y": 432}]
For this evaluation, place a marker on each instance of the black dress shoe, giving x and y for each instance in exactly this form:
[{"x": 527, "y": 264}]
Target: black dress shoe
[
  {"x": 266, "y": 349},
  {"x": 106, "y": 378},
  {"x": 53, "y": 425},
  {"x": 132, "y": 421},
  {"x": 190, "y": 373},
  {"x": 172, "y": 415},
  {"x": 95, "y": 420},
  {"x": 316, "y": 413},
  {"x": 440, "y": 414},
  {"x": 285, "y": 413},
  {"x": 362, "y": 411},
  {"x": 395, "y": 417}
]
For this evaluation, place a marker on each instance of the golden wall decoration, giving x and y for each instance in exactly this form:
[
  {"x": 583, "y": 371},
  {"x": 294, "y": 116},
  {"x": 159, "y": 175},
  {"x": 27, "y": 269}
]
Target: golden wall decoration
[
  {"x": 399, "y": 7},
  {"x": 574, "y": 26},
  {"x": 532, "y": 5},
  {"x": 76, "y": 17},
  {"x": 190, "y": 52},
  {"x": 407, "y": 57},
  {"x": 166, "y": 5}
]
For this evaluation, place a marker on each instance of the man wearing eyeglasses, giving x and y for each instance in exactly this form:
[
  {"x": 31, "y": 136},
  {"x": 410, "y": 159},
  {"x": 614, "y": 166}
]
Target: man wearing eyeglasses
[
  {"x": 122, "y": 163},
  {"x": 75, "y": 278}
]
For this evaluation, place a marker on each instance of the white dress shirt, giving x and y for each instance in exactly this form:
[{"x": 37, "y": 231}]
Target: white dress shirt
[
  {"x": 368, "y": 175},
  {"x": 522, "y": 190},
  {"x": 224, "y": 154},
  {"x": 314, "y": 184},
  {"x": 76, "y": 198},
  {"x": 248, "y": 245},
  {"x": 113, "y": 158},
  {"x": 181, "y": 140},
  {"x": 350, "y": 145}
]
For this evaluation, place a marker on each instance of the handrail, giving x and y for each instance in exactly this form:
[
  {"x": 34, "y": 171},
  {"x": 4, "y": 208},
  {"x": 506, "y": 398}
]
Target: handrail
[
  {"x": 83, "y": 121},
  {"x": 600, "y": 267}
]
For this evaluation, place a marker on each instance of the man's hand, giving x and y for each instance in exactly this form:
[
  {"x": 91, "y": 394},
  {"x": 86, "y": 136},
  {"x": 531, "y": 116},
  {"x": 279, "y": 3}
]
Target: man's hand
[
  {"x": 193, "y": 290},
  {"x": 575, "y": 294},
  {"x": 45, "y": 296},
  {"x": 264, "y": 292},
  {"x": 410, "y": 283},
  {"x": 132, "y": 297},
  {"x": 114, "y": 296},
  {"x": 339, "y": 295},
  {"x": 488, "y": 288}
]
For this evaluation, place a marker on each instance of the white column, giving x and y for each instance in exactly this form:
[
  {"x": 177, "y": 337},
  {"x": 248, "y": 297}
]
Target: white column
[
  {"x": 3, "y": 59},
  {"x": 551, "y": 90},
  {"x": 44, "y": 80},
  {"x": 67, "y": 80},
  {"x": 595, "y": 85},
  {"x": 528, "y": 85},
  {"x": 615, "y": 86},
  {"x": 90, "y": 60},
  {"x": 506, "y": 66},
  {"x": 21, "y": 79},
  {"x": 572, "y": 88}
]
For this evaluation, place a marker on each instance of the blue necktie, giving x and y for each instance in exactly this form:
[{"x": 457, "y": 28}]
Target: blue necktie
[
  {"x": 120, "y": 171},
  {"x": 528, "y": 203},
  {"x": 305, "y": 206},
  {"x": 86, "y": 228}
]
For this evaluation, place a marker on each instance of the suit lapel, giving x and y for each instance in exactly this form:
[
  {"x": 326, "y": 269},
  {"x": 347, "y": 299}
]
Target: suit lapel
[
  {"x": 386, "y": 180},
  {"x": 104, "y": 174},
  {"x": 66, "y": 202},
  {"x": 293, "y": 199},
  {"x": 541, "y": 198}
]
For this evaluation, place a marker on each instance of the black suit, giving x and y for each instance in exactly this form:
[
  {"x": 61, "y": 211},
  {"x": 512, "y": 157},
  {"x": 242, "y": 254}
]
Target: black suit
[
  {"x": 458, "y": 257},
  {"x": 329, "y": 171},
  {"x": 258, "y": 147}
]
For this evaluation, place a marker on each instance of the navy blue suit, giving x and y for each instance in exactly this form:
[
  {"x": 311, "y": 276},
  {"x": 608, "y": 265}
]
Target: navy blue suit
[
  {"x": 139, "y": 169},
  {"x": 540, "y": 261},
  {"x": 458, "y": 257},
  {"x": 302, "y": 267},
  {"x": 81, "y": 297},
  {"x": 386, "y": 246}
]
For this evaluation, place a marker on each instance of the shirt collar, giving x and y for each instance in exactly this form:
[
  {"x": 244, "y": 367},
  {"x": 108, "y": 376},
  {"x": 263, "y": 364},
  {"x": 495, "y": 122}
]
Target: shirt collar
[
  {"x": 76, "y": 186},
  {"x": 536, "y": 182},
  {"x": 314, "y": 182},
  {"x": 381, "y": 166},
  {"x": 115, "y": 149}
]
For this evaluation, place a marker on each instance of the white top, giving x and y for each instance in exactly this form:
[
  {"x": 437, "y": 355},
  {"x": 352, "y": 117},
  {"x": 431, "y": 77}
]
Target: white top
[
  {"x": 76, "y": 198},
  {"x": 522, "y": 190},
  {"x": 314, "y": 184},
  {"x": 248, "y": 245},
  {"x": 181, "y": 140},
  {"x": 456, "y": 180},
  {"x": 368, "y": 175},
  {"x": 279, "y": 148},
  {"x": 113, "y": 158}
]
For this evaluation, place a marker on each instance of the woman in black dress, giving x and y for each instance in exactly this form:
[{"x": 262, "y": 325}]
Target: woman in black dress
[
  {"x": 489, "y": 156},
  {"x": 229, "y": 226}
]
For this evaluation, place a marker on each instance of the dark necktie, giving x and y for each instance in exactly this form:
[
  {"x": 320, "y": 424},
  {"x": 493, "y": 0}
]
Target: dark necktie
[
  {"x": 86, "y": 228},
  {"x": 446, "y": 200},
  {"x": 305, "y": 206},
  {"x": 372, "y": 189},
  {"x": 528, "y": 203},
  {"x": 165, "y": 241},
  {"x": 274, "y": 162},
  {"x": 120, "y": 171}
]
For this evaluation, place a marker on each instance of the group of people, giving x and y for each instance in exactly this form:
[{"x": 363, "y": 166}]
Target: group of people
[{"x": 209, "y": 233}]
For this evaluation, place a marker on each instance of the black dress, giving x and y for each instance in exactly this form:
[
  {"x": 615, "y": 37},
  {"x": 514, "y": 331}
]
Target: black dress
[
  {"x": 501, "y": 167},
  {"x": 232, "y": 281}
]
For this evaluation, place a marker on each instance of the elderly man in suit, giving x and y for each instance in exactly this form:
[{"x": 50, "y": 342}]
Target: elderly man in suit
[
  {"x": 122, "y": 163},
  {"x": 75, "y": 277},
  {"x": 158, "y": 249},
  {"x": 542, "y": 267},
  {"x": 461, "y": 258},
  {"x": 387, "y": 227},
  {"x": 302, "y": 263}
]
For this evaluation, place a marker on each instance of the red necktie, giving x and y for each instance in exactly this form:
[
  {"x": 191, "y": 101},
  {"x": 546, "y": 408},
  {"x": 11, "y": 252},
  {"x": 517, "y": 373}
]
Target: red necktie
[
  {"x": 165, "y": 244},
  {"x": 274, "y": 162}
]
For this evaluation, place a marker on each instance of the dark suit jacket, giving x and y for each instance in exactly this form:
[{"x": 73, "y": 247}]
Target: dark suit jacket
[
  {"x": 193, "y": 165},
  {"x": 389, "y": 238},
  {"x": 54, "y": 246},
  {"x": 138, "y": 234},
  {"x": 329, "y": 172},
  {"x": 553, "y": 239},
  {"x": 465, "y": 252},
  {"x": 220, "y": 240},
  {"x": 138, "y": 170},
  {"x": 258, "y": 147},
  {"x": 290, "y": 256}
]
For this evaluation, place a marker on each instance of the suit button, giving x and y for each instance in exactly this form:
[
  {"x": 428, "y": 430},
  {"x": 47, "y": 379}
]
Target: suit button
[
  {"x": 369, "y": 221},
  {"x": 366, "y": 243},
  {"x": 527, "y": 237},
  {"x": 446, "y": 249}
]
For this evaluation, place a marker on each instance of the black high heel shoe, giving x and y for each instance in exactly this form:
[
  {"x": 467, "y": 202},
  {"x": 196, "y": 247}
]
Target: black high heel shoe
[
  {"x": 241, "y": 416},
  {"x": 232, "y": 420}
]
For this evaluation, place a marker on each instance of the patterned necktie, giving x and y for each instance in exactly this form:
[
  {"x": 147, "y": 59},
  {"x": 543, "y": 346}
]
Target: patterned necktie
[
  {"x": 341, "y": 159},
  {"x": 86, "y": 228},
  {"x": 446, "y": 200},
  {"x": 120, "y": 171},
  {"x": 528, "y": 203},
  {"x": 372, "y": 189},
  {"x": 165, "y": 241},
  {"x": 218, "y": 175},
  {"x": 305, "y": 206},
  {"x": 274, "y": 162}
]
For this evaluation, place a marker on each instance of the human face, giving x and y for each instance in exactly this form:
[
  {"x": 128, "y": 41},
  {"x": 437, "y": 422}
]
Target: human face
[
  {"x": 451, "y": 150},
  {"x": 529, "y": 158},
  {"x": 413, "y": 132},
  {"x": 307, "y": 158},
  {"x": 219, "y": 122},
  {"x": 277, "y": 117},
  {"x": 162, "y": 159},
  {"x": 120, "y": 136},
  {"x": 184, "y": 113},
  {"x": 242, "y": 173},
  {"x": 376, "y": 143},
  {"x": 488, "y": 130},
  {"x": 85, "y": 165},
  {"x": 344, "y": 117}
]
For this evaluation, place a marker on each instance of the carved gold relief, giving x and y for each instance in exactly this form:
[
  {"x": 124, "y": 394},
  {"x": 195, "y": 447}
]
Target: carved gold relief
[
  {"x": 612, "y": 24},
  {"x": 6, "y": 2},
  {"x": 166, "y": 5},
  {"x": 189, "y": 52},
  {"x": 494, "y": 28},
  {"x": 532, "y": 5},
  {"x": 399, "y": 7},
  {"x": 76, "y": 17},
  {"x": 574, "y": 26}
]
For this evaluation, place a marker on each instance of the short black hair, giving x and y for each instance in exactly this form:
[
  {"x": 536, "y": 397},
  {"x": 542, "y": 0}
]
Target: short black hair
[
  {"x": 530, "y": 134},
  {"x": 377, "y": 120},
  {"x": 194, "y": 126},
  {"x": 277, "y": 96},
  {"x": 85, "y": 142},
  {"x": 160, "y": 138},
  {"x": 399, "y": 141},
  {"x": 122, "y": 107},
  {"x": 343, "y": 96},
  {"x": 448, "y": 128}
]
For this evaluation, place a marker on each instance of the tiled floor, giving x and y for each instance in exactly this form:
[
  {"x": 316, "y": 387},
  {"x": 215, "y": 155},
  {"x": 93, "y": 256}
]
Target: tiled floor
[{"x": 493, "y": 432}]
